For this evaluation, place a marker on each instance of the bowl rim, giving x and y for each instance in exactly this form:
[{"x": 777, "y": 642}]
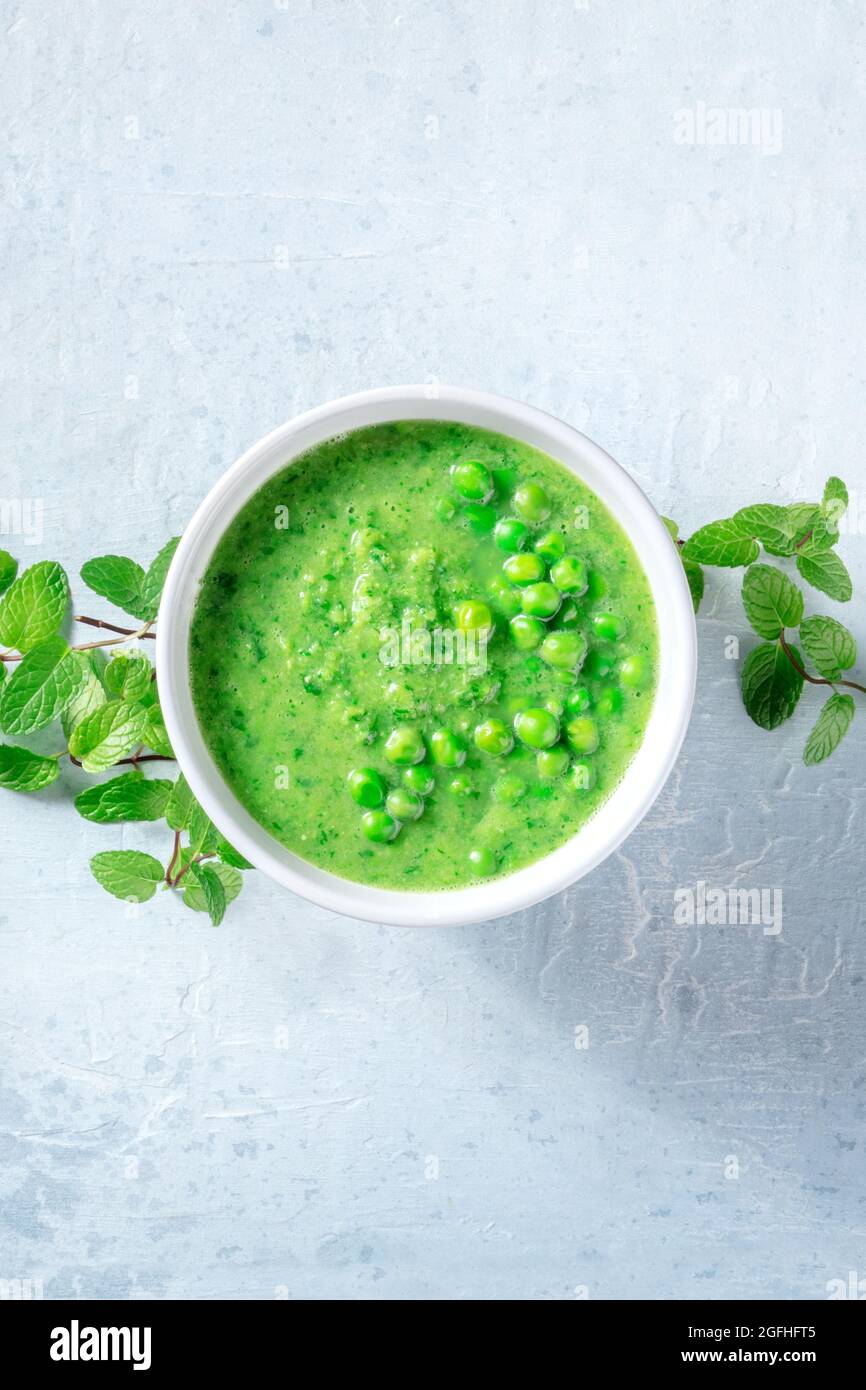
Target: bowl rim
[{"x": 645, "y": 775}]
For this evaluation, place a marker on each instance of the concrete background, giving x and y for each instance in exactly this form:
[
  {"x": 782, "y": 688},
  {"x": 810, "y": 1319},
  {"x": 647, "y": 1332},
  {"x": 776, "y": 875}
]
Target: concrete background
[{"x": 218, "y": 214}]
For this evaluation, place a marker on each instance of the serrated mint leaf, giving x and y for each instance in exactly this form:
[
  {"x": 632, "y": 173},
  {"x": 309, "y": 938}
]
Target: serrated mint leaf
[
  {"x": 830, "y": 728},
  {"x": 118, "y": 579},
  {"x": 128, "y": 677},
  {"x": 770, "y": 685},
  {"x": 23, "y": 771},
  {"x": 127, "y": 874},
  {"x": 695, "y": 578},
  {"x": 180, "y": 804},
  {"x": 155, "y": 734},
  {"x": 126, "y": 798},
  {"x": 771, "y": 601},
  {"x": 200, "y": 828},
  {"x": 47, "y": 678},
  {"x": 206, "y": 880},
  {"x": 89, "y": 696},
  {"x": 8, "y": 569},
  {"x": 823, "y": 536},
  {"x": 829, "y": 645},
  {"x": 229, "y": 855},
  {"x": 835, "y": 501},
  {"x": 151, "y": 589},
  {"x": 107, "y": 735},
  {"x": 721, "y": 543},
  {"x": 33, "y": 607},
  {"x": 765, "y": 522},
  {"x": 827, "y": 573},
  {"x": 194, "y": 897}
]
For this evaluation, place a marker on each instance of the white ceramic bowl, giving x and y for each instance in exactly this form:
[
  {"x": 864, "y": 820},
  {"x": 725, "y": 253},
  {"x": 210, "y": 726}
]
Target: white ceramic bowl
[{"x": 669, "y": 718}]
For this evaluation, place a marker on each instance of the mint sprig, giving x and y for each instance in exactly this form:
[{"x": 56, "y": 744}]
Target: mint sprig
[
  {"x": 775, "y": 672},
  {"x": 107, "y": 712}
]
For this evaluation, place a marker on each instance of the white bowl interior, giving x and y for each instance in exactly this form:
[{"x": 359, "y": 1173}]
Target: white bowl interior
[{"x": 646, "y": 774}]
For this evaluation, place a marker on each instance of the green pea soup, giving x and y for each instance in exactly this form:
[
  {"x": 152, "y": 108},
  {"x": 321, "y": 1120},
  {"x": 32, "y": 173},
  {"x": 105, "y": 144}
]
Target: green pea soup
[{"x": 423, "y": 655}]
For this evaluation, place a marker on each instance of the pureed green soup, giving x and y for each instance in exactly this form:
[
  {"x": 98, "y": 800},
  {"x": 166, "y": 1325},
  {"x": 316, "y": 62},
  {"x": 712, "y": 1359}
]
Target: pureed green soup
[{"x": 423, "y": 655}]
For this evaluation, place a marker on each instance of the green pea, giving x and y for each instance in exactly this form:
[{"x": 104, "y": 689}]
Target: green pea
[
  {"x": 366, "y": 786},
  {"x": 483, "y": 861},
  {"x": 608, "y": 626},
  {"x": 509, "y": 789},
  {"x": 419, "y": 779},
  {"x": 404, "y": 745},
  {"x": 472, "y": 480},
  {"x": 610, "y": 700},
  {"x": 540, "y": 600},
  {"x": 445, "y": 509},
  {"x": 446, "y": 749},
  {"x": 537, "y": 728},
  {"x": 505, "y": 479},
  {"x": 532, "y": 502},
  {"x": 379, "y": 826},
  {"x": 596, "y": 587},
  {"x": 526, "y": 633},
  {"x": 583, "y": 775},
  {"x": 551, "y": 546},
  {"x": 551, "y": 762},
  {"x": 404, "y": 804},
  {"x": 598, "y": 664},
  {"x": 569, "y": 574},
  {"x": 505, "y": 597},
  {"x": 568, "y": 615},
  {"x": 524, "y": 569},
  {"x": 577, "y": 701},
  {"x": 556, "y": 707},
  {"x": 460, "y": 786},
  {"x": 494, "y": 737},
  {"x": 510, "y": 535},
  {"x": 582, "y": 734},
  {"x": 480, "y": 518},
  {"x": 473, "y": 616},
  {"x": 633, "y": 671},
  {"x": 565, "y": 650}
]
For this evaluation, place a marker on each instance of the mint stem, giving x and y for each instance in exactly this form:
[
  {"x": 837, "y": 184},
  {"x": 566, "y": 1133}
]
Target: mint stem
[
  {"x": 111, "y": 627},
  {"x": 171, "y": 863},
  {"x": 132, "y": 762},
  {"x": 815, "y": 680},
  {"x": 198, "y": 859}
]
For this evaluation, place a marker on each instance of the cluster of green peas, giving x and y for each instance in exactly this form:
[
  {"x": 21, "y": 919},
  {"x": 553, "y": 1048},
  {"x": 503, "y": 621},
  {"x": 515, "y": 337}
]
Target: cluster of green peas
[{"x": 536, "y": 586}]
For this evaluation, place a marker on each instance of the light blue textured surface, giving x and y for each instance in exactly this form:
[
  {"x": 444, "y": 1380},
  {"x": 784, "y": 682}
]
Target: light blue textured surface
[{"x": 218, "y": 214}]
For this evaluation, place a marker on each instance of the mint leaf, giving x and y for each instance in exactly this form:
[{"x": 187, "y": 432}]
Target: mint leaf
[
  {"x": 151, "y": 588},
  {"x": 33, "y": 607},
  {"x": 695, "y": 578},
  {"x": 829, "y": 645},
  {"x": 211, "y": 888},
  {"x": 128, "y": 677},
  {"x": 823, "y": 536},
  {"x": 827, "y": 573},
  {"x": 89, "y": 696},
  {"x": 118, "y": 579},
  {"x": 127, "y": 874},
  {"x": 23, "y": 771},
  {"x": 834, "y": 503},
  {"x": 48, "y": 677},
  {"x": 673, "y": 529},
  {"x": 8, "y": 569},
  {"x": 107, "y": 735},
  {"x": 800, "y": 520},
  {"x": 125, "y": 798},
  {"x": 155, "y": 735},
  {"x": 721, "y": 543},
  {"x": 765, "y": 522},
  {"x": 830, "y": 728},
  {"x": 200, "y": 827},
  {"x": 180, "y": 804},
  {"x": 770, "y": 685},
  {"x": 771, "y": 601},
  {"x": 229, "y": 855}
]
